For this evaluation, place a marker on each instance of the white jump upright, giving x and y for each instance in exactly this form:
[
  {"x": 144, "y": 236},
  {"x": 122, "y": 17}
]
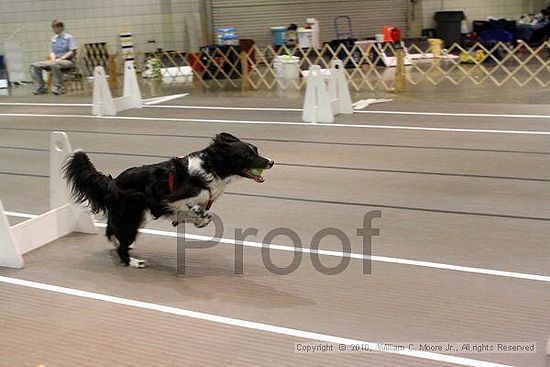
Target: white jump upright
[
  {"x": 316, "y": 102},
  {"x": 63, "y": 218},
  {"x": 340, "y": 98},
  {"x": 104, "y": 104},
  {"x": 322, "y": 102}
]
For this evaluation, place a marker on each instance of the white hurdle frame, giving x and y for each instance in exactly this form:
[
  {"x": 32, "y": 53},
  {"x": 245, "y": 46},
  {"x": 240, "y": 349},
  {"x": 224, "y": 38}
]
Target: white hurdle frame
[
  {"x": 103, "y": 102},
  {"x": 322, "y": 102},
  {"x": 63, "y": 218}
]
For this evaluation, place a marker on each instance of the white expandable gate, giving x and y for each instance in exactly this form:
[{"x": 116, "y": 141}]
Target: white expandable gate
[
  {"x": 322, "y": 102},
  {"x": 63, "y": 218},
  {"x": 103, "y": 102}
]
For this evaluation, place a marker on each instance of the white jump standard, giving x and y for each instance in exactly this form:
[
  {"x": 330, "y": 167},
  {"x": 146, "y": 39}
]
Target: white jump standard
[
  {"x": 103, "y": 102},
  {"x": 63, "y": 218},
  {"x": 322, "y": 102}
]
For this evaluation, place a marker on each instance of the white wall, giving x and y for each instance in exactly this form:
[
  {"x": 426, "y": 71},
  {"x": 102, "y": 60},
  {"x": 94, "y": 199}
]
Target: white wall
[
  {"x": 173, "y": 24},
  {"x": 480, "y": 9}
]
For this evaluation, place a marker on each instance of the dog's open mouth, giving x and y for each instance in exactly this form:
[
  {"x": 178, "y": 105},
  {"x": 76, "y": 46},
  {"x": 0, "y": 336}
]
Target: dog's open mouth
[{"x": 254, "y": 174}]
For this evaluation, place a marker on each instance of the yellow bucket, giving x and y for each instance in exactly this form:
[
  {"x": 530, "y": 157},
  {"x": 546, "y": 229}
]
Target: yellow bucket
[{"x": 435, "y": 46}]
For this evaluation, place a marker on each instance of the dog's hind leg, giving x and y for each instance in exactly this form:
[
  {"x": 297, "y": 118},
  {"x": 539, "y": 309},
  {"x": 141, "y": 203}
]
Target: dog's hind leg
[
  {"x": 126, "y": 233},
  {"x": 115, "y": 241},
  {"x": 126, "y": 239},
  {"x": 110, "y": 233},
  {"x": 122, "y": 251}
]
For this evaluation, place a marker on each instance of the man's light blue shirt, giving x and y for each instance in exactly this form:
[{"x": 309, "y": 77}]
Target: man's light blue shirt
[{"x": 63, "y": 43}]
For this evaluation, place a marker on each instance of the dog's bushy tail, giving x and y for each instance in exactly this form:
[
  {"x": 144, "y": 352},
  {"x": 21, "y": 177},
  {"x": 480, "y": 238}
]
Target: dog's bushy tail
[{"x": 88, "y": 184}]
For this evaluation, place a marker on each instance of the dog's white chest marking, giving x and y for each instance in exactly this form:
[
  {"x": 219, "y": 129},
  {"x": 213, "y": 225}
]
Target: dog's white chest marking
[{"x": 216, "y": 186}]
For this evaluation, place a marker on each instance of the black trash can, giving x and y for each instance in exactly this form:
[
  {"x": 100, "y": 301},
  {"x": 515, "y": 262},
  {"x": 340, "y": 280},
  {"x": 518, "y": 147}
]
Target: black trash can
[{"x": 448, "y": 26}]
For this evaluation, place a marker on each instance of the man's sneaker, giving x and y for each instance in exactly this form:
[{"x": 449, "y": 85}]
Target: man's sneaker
[
  {"x": 39, "y": 91},
  {"x": 58, "y": 91}
]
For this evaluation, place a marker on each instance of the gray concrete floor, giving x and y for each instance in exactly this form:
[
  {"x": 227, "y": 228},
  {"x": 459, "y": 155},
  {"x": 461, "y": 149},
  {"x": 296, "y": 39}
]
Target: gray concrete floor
[{"x": 475, "y": 199}]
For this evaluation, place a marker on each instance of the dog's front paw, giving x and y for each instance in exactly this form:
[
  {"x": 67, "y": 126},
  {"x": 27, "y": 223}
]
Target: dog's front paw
[
  {"x": 203, "y": 220},
  {"x": 137, "y": 263},
  {"x": 199, "y": 212}
]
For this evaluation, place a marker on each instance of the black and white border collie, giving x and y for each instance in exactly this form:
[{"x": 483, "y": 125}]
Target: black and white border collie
[{"x": 189, "y": 183}]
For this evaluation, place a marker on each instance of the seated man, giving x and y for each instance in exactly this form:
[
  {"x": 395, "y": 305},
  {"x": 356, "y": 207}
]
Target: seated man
[{"x": 63, "y": 50}]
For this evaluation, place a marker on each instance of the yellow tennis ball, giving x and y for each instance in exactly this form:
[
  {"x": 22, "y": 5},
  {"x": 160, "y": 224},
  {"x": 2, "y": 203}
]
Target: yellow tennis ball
[{"x": 256, "y": 171}]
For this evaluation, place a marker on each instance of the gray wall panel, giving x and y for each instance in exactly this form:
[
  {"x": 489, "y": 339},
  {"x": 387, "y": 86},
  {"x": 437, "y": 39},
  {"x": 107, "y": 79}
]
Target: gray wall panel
[{"x": 253, "y": 18}]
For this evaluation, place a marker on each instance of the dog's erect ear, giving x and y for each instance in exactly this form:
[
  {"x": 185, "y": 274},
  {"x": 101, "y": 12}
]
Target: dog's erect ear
[{"x": 225, "y": 138}]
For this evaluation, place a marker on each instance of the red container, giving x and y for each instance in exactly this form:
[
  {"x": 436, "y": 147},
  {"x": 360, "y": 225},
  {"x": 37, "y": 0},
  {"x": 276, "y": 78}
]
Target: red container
[
  {"x": 392, "y": 34},
  {"x": 395, "y": 34},
  {"x": 194, "y": 61},
  {"x": 387, "y": 34}
]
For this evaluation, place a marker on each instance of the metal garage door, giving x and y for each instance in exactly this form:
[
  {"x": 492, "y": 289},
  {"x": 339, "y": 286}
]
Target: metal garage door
[{"x": 253, "y": 18}]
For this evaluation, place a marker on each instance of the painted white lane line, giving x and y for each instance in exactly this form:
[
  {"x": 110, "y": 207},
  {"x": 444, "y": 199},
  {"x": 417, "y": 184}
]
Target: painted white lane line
[
  {"x": 360, "y": 111},
  {"x": 39, "y": 104},
  {"x": 287, "y": 123},
  {"x": 190, "y": 107},
  {"x": 244, "y": 323},
  {"x": 339, "y": 254},
  {"x": 453, "y": 114},
  {"x": 222, "y": 108}
]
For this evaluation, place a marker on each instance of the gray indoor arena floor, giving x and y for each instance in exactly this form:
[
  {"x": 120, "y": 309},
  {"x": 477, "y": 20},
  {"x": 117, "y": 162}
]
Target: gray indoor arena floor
[{"x": 465, "y": 184}]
